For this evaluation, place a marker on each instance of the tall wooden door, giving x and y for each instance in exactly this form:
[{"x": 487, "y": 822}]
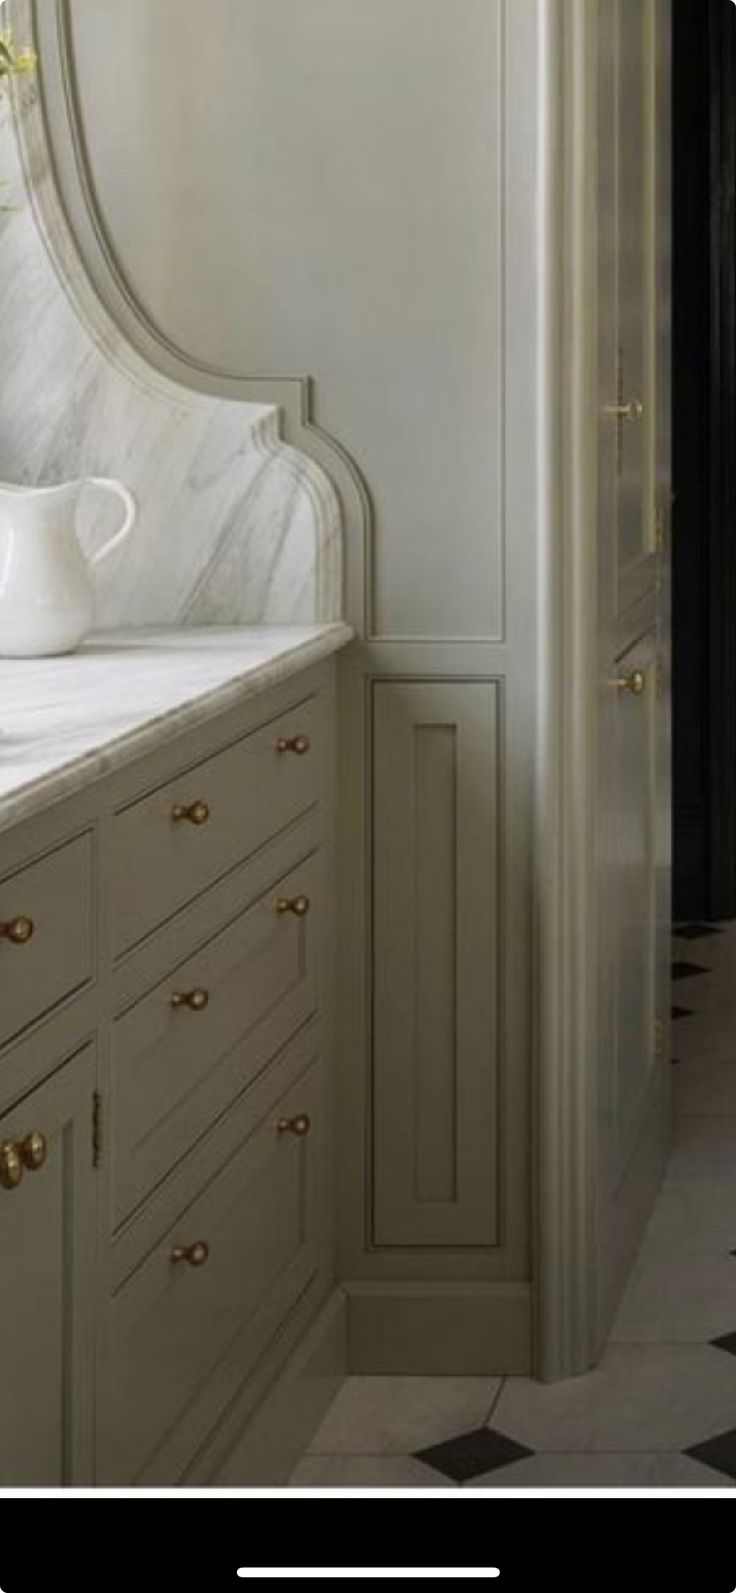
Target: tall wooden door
[{"x": 633, "y": 515}]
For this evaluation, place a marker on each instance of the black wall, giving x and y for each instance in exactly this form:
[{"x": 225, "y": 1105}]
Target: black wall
[{"x": 704, "y": 518}]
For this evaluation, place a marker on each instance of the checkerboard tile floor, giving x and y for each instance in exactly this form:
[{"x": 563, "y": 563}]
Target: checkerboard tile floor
[{"x": 660, "y": 1410}]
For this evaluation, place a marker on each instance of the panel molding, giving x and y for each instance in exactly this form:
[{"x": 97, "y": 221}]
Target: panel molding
[{"x": 438, "y": 959}]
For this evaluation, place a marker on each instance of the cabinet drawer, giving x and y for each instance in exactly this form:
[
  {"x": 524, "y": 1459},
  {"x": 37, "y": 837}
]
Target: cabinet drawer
[
  {"x": 248, "y": 1244},
  {"x": 46, "y": 945},
  {"x": 184, "y": 1052},
  {"x": 171, "y": 845}
]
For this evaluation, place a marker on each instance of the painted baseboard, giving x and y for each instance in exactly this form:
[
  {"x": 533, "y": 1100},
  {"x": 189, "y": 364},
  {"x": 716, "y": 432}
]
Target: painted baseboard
[
  {"x": 438, "y": 1330},
  {"x": 368, "y": 1330},
  {"x": 281, "y": 1424}
]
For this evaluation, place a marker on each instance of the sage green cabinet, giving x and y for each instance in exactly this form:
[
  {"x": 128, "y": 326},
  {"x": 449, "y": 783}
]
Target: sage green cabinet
[
  {"x": 47, "y": 1246},
  {"x": 164, "y": 1110}
]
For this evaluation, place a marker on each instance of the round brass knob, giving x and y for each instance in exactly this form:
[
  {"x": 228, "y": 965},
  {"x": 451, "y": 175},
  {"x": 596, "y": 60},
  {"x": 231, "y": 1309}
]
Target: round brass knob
[
  {"x": 196, "y": 1255},
  {"x": 635, "y": 684},
  {"x": 34, "y": 1151},
  {"x": 299, "y": 1126},
  {"x": 297, "y": 744},
  {"x": 193, "y": 1000},
  {"x": 11, "y": 1165},
  {"x": 197, "y": 813},
  {"x": 19, "y": 931},
  {"x": 298, "y": 905}
]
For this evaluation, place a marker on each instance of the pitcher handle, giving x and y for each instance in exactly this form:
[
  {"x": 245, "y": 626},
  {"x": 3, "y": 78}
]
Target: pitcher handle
[{"x": 131, "y": 515}]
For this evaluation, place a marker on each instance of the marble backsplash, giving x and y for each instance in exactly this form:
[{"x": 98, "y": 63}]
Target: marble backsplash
[{"x": 234, "y": 525}]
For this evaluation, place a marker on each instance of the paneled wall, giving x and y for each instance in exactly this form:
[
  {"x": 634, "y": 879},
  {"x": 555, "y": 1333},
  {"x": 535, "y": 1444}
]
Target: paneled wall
[{"x": 340, "y": 205}]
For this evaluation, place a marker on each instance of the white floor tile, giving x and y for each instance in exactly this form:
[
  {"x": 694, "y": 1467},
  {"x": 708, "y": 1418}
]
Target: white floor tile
[
  {"x": 399, "y": 1415},
  {"x": 694, "y": 1214},
  {"x": 705, "y": 1089},
  {"x": 367, "y": 1471},
  {"x": 676, "y": 1299},
  {"x": 703, "y": 1037},
  {"x": 703, "y": 1148},
  {"x": 640, "y": 1398},
  {"x": 604, "y": 1471}
]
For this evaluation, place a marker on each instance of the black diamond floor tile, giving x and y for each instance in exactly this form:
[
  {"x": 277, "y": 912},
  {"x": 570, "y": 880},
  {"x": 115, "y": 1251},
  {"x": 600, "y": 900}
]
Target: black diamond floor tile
[
  {"x": 682, "y": 1012},
  {"x": 728, "y": 1342},
  {"x": 473, "y": 1454},
  {"x": 687, "y": 970},
  {"x": 695, "y": 931},
  {"x": 720, "y": 1453}
]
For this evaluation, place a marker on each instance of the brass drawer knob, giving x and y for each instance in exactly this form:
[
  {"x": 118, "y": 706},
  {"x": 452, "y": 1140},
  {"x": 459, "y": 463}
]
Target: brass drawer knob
[
  {"x": 192, "y": 1000},
  {"x": 297, "y": 744},
  {"x": 28, "y": 1156},
  {"x": 635, "y": 684},
  {"x": 298, "y": 905},
  {"x": 11, "y": 1165},
  {"x": 34, "y": 1151},
  {"x": 198, "y": 813},
  {"x": 18, "y": 931},
  {"x": 299, "y": 1126},
  {"x": 196, "y": 1255}
]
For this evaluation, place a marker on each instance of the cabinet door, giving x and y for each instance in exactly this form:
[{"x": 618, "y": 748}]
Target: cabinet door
[
  {"x": 633, "y": 477},
  {"x": 47, "y": 1236}
]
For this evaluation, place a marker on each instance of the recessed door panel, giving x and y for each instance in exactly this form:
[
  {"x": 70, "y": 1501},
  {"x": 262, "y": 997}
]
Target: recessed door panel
[{"x": 436, "y": 963}]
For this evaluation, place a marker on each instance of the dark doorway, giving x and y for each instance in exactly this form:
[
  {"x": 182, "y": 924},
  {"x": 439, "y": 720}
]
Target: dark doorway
[{"x": 704, "y": 436}]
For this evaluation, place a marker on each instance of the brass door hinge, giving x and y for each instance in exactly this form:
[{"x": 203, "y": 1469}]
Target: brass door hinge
[{"x": 96, "y": 1128}]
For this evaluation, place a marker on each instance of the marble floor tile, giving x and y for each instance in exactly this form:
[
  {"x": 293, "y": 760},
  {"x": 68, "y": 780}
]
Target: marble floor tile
[
  {"x": 684, "y": 968},
  {"x": 694, "y": 1214},
  {"x": 719, "y": 1453},
  {"x": 604, "y": 1471},
  {"x": 703, "y": 1037},
  {"x": 367, "y": 1471},
  {"x": 676, "y": 1299},
  {"x": 703, "y": 1148},
  {"x": 706, "y": 1089},
  {"x": 473, "y": 1454},
  {"x": 641, "y": 1398},
  {"x": 399, "y": 1415}
]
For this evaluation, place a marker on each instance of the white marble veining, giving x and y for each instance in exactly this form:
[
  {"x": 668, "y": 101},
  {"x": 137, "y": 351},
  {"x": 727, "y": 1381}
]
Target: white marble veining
[
  {"x": 66, "y": 721},
  {"x": 234, "y": 526}
]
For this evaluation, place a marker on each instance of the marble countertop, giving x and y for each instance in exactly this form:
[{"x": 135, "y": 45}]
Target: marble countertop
[{"x": 67, "y": 721}]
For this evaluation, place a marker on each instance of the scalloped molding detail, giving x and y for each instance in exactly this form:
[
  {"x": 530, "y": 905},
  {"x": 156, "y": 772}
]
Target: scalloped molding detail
[
  {"x": 74, "y": 231},
  {"x": 242, "y": 504}
]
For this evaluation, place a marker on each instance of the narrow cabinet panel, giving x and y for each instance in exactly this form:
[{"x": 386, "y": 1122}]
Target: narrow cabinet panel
[{"x": 436, "y": 946}]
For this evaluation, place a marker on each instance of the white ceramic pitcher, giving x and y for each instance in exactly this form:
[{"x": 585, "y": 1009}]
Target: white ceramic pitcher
[{"x": 46, "y": 586}]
